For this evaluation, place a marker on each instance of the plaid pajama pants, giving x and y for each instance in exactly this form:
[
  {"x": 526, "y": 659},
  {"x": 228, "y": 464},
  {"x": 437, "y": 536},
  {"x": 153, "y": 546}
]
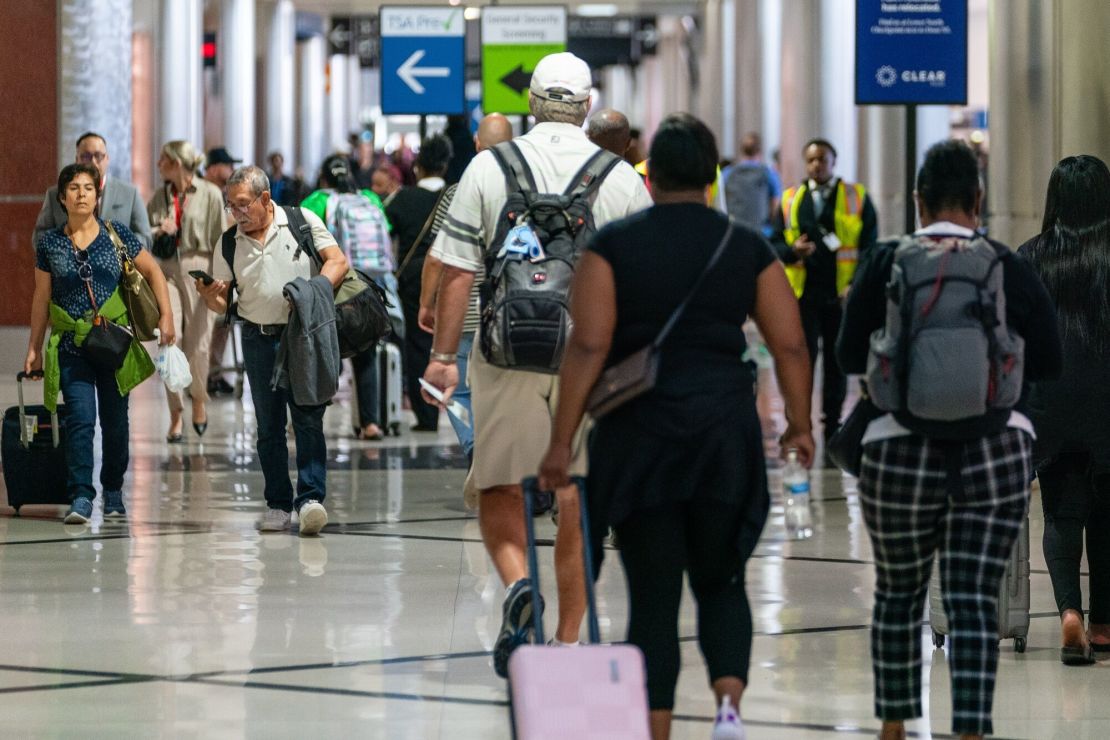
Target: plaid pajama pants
[{"x": 967, "y": 501}]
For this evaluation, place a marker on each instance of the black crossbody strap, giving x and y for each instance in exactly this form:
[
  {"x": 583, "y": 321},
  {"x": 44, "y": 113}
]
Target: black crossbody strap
[
  {"x": 302, "y": 232},
  {"x": 518, "y": 175},
  {"x": 693, "y": 291}
]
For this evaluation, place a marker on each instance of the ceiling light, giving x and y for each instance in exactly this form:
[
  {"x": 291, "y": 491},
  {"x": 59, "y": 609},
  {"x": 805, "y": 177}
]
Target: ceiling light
[{"x": 597, "y": 9}]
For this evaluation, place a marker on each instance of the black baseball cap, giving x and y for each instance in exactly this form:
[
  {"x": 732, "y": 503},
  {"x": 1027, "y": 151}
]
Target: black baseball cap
[{"x": 219, "y": 155}]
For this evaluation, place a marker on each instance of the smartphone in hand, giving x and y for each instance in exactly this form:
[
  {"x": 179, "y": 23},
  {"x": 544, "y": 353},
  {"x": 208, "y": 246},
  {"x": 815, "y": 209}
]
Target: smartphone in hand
[{"x": 202, "y": 276}]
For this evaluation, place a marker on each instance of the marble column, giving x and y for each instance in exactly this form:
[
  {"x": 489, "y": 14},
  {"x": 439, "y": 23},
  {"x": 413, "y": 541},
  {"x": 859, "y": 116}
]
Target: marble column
[
  {"x": 94, "y": 77},
  {"x": 280, "y": 82},
  {"x": 313, "y": 100},
  {"x": 1049, "y": 69},
  {"x": 801, "y": 84},
  {"x": 237, "y": 77},
  {"x": 338, "y": 90},
  {"x": 180, "y": 83}
]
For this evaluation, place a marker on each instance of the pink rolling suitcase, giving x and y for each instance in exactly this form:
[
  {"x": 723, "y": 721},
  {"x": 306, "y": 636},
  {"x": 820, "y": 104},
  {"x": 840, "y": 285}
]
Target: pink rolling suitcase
[{"x": 590, "y": 692}]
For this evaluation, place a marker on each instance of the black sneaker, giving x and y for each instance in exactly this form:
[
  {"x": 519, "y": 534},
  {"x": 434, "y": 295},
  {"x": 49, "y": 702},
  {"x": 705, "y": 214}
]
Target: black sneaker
[
  {"x": 516, "y": 624},
  {"x": 219, "y": 387}
]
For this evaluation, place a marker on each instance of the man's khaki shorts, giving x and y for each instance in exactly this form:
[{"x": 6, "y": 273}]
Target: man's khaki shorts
[{"x": 512, "y": 413}]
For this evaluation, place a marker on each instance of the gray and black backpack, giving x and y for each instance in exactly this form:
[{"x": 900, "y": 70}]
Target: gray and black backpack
[
  {"x": 946, "y": 352},
  {"x": 748, "y": 194},
  {"x": 525, "y": 300}
]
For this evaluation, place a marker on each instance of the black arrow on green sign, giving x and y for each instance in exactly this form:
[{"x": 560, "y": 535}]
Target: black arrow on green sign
[{"x": 517, "y": 80}]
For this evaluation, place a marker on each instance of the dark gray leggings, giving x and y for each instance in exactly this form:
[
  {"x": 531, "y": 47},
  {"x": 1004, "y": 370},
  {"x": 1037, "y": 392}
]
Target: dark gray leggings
[
  {"x": 1075, "y": 500},
  {"x": 657, "y": 547}
]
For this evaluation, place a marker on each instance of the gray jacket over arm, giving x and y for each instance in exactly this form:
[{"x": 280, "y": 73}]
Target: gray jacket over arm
[{"x": 307, "y": 363}]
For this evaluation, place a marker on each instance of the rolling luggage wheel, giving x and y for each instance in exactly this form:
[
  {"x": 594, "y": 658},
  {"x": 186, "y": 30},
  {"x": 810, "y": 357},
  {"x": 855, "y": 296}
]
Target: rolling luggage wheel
[
  {"x": 938, "y": 641},
  {"x": 1019, "y": 644},
  {"x": 395, "y": 429},
  {"x": 17, "y": 508}
]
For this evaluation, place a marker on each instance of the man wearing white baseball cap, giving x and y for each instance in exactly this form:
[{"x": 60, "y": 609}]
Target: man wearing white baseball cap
[{"x": 513, "y": 406}]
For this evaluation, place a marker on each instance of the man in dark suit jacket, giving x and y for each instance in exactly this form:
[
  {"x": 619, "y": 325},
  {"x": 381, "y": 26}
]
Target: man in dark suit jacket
[{"x": 119, "y": 200}]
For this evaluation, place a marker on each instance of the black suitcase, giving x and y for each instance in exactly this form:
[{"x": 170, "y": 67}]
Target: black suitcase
[{"x": 34, "y": 455}]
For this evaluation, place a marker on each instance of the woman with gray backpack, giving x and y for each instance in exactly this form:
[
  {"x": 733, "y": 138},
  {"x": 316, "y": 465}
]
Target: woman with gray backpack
[
  {"x": 947, "y": 327},
  {"x": 1072, "y": 453},
  {"x": 357, "y": 220}
]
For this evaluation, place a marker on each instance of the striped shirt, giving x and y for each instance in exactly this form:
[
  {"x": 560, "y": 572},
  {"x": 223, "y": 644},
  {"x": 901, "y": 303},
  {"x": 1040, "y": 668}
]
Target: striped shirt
[{"x": 473, "y": 315}]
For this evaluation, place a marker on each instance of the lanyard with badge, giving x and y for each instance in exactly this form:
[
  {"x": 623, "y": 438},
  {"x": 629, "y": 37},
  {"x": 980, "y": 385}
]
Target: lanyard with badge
[{"x": 831, "y": 240}]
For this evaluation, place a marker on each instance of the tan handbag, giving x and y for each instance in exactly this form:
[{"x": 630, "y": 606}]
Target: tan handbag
[
  {"x": 142, "y": 306},
  {"x": 635, "y": 375}
]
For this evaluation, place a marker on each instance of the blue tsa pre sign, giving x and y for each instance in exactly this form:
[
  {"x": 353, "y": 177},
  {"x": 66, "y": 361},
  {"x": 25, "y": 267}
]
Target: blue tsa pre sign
[
  {"x": 911, "y": 52},
  {"x": 423, "y": 57}
]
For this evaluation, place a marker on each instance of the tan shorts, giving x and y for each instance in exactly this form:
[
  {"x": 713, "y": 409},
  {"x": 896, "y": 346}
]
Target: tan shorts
[{"x": 512, "y": 412}]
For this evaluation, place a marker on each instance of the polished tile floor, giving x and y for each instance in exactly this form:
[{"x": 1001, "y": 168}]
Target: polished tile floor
[{"x": 185, "y": 622}]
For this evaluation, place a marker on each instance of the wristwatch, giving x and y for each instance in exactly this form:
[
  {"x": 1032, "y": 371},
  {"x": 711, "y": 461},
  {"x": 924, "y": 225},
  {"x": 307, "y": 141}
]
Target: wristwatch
[{"x": 447, "y": 357}]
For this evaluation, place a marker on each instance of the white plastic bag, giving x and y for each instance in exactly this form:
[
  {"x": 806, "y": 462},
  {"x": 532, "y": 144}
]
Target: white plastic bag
[{"x": 173, "y": 368}]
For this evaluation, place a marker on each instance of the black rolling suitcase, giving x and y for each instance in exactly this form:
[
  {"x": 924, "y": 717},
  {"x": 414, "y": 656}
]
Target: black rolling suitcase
[{"x": 34, "y": 455}]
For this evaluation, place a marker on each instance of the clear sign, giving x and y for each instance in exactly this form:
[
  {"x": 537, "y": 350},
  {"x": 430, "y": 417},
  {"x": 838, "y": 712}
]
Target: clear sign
[
  {"x": 911, "y": 52},
  {"x": 423, "y": 56},
  {"x": 514, "y": 39}
]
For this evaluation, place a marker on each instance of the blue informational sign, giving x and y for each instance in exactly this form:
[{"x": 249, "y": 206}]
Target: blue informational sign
[
  {"x": 911, "y": 52},
  {"x": 423, "y": 60}
]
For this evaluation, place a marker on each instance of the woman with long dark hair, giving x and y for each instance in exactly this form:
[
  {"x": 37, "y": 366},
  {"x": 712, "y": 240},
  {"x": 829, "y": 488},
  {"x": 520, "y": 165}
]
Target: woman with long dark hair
[
  {"x": 356, "y": 218},
  {"x": 1072, "y": 453}
]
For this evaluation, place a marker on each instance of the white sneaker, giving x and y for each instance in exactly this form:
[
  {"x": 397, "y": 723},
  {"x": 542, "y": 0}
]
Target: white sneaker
[
  {"x": 312, "y": 517},
  {"x": 728, "y": 725},
  {"x": 275, "y": 520}
]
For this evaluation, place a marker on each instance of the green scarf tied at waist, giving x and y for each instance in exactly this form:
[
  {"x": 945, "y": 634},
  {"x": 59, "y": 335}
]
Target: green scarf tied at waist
[{"x": 137, "y": 365}]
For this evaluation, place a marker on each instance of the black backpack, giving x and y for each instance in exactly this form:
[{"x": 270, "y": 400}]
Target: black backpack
[
  {"x": 530, "y": 262},
  {"x": 360, "y": 304}
]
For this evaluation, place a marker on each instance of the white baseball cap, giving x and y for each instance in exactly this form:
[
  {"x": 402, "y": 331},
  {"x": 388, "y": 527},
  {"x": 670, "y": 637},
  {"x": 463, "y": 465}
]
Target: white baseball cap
[{"x": 562, "y": 76}]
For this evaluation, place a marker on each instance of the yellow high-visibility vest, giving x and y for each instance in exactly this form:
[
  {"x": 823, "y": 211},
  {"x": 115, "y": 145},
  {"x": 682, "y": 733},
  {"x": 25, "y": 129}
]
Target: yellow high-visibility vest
[{"x": 847, "y": 224}]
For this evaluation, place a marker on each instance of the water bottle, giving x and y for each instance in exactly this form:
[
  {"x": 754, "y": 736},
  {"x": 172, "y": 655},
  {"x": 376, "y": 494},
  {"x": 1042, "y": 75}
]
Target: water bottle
[{"x": 795, "y": 494}]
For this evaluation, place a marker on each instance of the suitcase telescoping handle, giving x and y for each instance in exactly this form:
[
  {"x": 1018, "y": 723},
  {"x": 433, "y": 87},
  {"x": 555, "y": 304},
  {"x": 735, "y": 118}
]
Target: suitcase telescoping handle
[
  {"x": 531, "y": 488},
  {"x": 26, "y": 436}
]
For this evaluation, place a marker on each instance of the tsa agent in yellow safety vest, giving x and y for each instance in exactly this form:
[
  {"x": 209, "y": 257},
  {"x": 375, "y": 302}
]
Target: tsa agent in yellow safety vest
[{"x": 848, "y": 225}]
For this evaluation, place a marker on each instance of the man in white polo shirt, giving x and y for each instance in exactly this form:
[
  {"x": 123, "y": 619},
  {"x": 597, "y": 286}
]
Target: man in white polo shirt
[
  {"x": 513, "y": 408},
  {"x": 266, "y": 258}
]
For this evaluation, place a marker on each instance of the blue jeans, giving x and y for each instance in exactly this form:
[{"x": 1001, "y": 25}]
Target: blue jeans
[
  {"x": 462, "y": 395},
  {"x": 259, "y": 354},
  {"x": 84, "y": 388}
]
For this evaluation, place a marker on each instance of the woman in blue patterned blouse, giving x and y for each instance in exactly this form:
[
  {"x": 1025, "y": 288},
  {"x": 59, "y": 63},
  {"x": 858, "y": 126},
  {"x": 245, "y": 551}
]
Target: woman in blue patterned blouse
[{"x": 76, "y": 266}]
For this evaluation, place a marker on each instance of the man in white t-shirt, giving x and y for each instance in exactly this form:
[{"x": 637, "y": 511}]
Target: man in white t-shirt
[
  {"x": 513, "y": 408},
  {"x": 266, "y": 258}
]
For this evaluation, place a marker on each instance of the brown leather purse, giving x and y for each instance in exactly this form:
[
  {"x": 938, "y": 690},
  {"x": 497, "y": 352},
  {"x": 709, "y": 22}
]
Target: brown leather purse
[
  {"x": 635, "y": 375},
  {"x": 142, "y": 307}
]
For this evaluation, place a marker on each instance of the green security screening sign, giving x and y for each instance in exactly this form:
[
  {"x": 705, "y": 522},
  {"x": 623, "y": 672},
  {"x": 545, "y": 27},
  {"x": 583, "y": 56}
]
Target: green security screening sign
[{"x": 514, "y": 39}]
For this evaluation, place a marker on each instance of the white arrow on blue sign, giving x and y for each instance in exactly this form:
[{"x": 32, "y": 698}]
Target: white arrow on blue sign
[{"x": 423, "y": 60}]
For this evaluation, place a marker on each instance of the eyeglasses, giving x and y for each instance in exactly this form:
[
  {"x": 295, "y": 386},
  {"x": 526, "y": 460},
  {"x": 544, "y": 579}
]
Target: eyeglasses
[
  {"x": 87, "y": 157},
  {"x": 229, "y": 208},
  {"x": 84, "y": 267}
]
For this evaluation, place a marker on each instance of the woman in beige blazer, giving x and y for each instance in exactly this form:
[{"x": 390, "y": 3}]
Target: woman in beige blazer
[{"x": 187, "y": 217}]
